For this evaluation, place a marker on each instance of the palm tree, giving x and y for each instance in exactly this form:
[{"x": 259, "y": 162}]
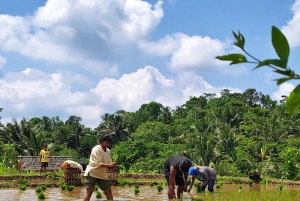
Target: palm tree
[{"x": 114, "y": 125}]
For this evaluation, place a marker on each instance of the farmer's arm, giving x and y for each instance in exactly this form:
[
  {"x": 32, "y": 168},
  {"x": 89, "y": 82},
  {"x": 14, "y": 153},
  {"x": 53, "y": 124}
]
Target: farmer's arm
[{"x": 171, "y": 190}]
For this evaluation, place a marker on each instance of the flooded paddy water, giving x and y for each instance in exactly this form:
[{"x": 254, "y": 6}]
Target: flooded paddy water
[{"x": 148, "y": 193}]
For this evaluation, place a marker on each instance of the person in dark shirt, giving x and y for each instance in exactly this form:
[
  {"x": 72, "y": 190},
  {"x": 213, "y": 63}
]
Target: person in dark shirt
[{"x": 176, "y": 173}]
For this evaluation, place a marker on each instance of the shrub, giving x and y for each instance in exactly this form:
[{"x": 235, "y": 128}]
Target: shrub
[
  {"x": 136, "y": 190},
  {"x": 96, "y": 188},
  {"x": 151, "y": 184}
]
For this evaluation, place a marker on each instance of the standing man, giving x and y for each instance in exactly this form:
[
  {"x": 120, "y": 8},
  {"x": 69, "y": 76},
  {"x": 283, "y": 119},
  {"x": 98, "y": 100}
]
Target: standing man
[
  {"x": 44, "y": 159},
  {"x": 95, "y": 173},
  {"x": 206, "y": 175},
  {"x": 176, "y": 173}
]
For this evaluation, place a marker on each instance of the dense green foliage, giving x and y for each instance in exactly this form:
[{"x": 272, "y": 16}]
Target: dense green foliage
[{"x": 236, "y": 132}]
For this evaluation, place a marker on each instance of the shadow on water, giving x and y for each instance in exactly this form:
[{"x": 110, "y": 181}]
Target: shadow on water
[{"x": 125, "y": 193}]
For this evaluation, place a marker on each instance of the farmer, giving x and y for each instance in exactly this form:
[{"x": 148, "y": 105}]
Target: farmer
[
  {"x": 206, "y": 175},
  {"x": 176, "y": 173}
]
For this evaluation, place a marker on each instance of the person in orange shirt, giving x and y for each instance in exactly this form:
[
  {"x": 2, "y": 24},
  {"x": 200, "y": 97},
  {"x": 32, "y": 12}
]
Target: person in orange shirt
[{"x": 44, "y": 159}]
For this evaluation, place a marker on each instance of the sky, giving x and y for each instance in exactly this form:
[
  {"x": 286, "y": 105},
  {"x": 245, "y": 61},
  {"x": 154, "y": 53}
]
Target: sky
[{"x": 91, "y": 57}]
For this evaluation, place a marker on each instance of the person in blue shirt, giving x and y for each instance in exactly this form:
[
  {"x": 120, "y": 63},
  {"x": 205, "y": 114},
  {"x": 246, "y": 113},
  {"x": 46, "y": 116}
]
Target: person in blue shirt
[{"x": 206, "y": 175}]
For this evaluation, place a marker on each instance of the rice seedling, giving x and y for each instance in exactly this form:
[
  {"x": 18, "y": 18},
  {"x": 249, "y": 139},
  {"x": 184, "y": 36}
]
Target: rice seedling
[
  {"x": 22, "y": 187},
  {"x": 38, "y": 189},
  {"x": 41, "y": 195},
  {"x": 280, "y": 186},
  {"x": 98, "y": 195},
  {"x": 160, "y": 188},
  {"x": 70, "y": 188}
]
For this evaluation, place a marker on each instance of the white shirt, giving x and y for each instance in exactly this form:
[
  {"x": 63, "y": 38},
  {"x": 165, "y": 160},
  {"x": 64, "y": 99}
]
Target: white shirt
[
  {"x": 97, "y": 158},
  {"x": 74, "y": 164}
]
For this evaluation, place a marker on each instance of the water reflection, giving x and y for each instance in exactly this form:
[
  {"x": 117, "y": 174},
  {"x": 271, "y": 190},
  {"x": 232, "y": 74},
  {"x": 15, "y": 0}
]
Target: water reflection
[{"x": 124, "y": 193}]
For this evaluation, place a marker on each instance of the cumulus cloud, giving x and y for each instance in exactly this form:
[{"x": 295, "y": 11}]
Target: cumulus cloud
[
  {"x": 2, "y": 61},
  {"x": 284, "y": 90},
  {"x": 292, "y": 29},
  {"x": 81, "y": 32},
  {"x": 148, "y": 84},
  {"x": 33, "y": 93},
  {"x": 187, "y": 52}
]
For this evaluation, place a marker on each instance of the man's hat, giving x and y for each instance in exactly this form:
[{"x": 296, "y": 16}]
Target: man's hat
[{"x": 193, "y": 171}]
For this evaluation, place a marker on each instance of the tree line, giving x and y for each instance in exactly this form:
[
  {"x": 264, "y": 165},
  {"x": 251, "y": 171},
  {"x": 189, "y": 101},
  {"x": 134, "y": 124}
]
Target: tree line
[{"x": 235, "y": 132}]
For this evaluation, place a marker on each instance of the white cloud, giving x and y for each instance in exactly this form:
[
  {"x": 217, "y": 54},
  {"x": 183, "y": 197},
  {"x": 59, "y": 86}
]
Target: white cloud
[
  {"x": 80, "y": 31},
  {"x": 2, "y": 61},
  {"x": 284, "y": 90},
  {"x": 187, "y": 52},
  {"x": 148, "y": 84},
  {"x": 292, "y": 29},
  {"x": 33, "y": 93}
]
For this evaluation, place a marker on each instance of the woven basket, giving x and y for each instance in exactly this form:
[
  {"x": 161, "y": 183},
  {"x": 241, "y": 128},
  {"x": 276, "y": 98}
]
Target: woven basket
[{"x": 73, "y": 176}]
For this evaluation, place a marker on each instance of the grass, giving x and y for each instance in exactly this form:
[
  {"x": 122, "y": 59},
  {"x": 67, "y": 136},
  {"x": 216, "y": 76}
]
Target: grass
[{"x": 252, "y": 196}]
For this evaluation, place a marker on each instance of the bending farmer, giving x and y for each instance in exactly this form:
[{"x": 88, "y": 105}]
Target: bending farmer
[
  {"x": 176, "y": 173},
  {"x": 205, "y": 175}
]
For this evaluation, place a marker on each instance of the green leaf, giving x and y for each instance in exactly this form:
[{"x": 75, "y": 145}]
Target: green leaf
[
  {"x": 240, "y": 40},
  {"x": 280, "y": 44},
  {"x": 235, "y": 58},
  {"x": 282, "y": 80},
  {"x": 275, "y": 62},
  {"x": 287, "y": 72},
  {"x": 293, "y": 101}
]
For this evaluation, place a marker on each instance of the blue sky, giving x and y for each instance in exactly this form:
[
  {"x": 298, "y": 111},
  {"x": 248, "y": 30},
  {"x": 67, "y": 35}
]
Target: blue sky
[{"x": 87, "y": 58}]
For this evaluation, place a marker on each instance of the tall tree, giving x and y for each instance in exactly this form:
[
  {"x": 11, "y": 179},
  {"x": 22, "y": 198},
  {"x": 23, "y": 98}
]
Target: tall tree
[{"x": 76, "y": 131}]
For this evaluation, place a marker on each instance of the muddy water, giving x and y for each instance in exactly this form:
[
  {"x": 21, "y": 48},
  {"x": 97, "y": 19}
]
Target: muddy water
[{"x": 125, "y": 193}]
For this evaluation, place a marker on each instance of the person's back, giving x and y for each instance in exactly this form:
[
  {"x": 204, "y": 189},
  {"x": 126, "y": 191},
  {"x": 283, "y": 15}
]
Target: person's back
[
  {"x": 175, "y": 162},
  {"x": 209, "y": 171},
  {"x": 70, "y": 163}
]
